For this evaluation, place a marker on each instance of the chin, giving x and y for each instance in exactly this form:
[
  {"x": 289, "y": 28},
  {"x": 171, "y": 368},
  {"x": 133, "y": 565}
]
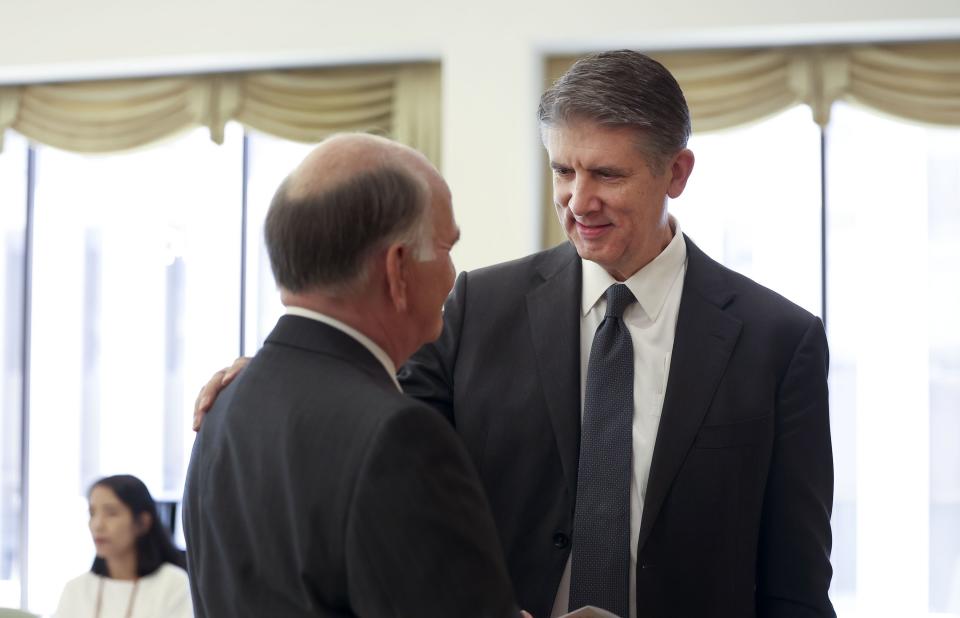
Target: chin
[{"x": 585, "y": 251}]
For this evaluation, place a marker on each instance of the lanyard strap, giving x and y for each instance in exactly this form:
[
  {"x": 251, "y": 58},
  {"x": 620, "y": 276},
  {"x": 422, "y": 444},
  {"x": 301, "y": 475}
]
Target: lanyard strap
[{"x": 133, "y": 595}]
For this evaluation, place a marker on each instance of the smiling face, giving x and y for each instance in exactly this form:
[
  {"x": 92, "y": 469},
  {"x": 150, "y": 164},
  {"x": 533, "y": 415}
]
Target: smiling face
[
  {"x": 610, "y": 201},
  {"x": 112, "y": 524}
]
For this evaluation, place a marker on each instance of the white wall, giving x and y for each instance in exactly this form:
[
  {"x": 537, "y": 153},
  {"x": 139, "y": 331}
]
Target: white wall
[{"x": 490, "y": 51}]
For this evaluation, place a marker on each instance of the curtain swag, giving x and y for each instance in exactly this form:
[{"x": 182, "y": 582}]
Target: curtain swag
[
  {"x": 724, "y": 89},
  {"x": 919, "y": 82},
  {"x": 304, "y": 105}
]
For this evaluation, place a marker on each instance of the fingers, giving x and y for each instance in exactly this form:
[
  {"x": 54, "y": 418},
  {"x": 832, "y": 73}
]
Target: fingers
[
  {"x": 212, "y": 388},
  {"x": 233, "y": 370},
  {"x": 205, "y": 399},
  {"x": 525, "y": 614}
]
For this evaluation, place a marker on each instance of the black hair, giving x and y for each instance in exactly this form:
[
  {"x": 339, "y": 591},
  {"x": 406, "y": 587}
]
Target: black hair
[{"x": 154, "y": 546}]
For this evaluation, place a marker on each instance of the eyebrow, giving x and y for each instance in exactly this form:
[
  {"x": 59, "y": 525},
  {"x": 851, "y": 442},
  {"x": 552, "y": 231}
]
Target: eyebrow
[
  {"x": 600, "y": 169},
  {"x": 609, "y": 171}
]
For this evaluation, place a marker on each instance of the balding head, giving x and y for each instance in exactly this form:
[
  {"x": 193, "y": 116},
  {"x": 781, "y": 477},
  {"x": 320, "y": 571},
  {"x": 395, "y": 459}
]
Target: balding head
[
  {"x": 344, "y": 156},
  {"x": 351, "y": 196}
]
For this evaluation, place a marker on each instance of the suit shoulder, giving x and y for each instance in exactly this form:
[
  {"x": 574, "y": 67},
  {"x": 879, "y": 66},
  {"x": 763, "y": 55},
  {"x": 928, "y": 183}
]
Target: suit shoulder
[
  {"x": 540, "y": 261},
  {"x": 414, "y": 422},
  {"x": 747, "y": 298},
  {"x": 520, "y": 273},
  {"x": 759, "y": 293}
]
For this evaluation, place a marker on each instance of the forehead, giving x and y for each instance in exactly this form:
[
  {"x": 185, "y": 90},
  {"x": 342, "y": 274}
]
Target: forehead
[
  {"x": 591, "y": 143},
  {"x": 444, "y": 224},
  {"x": 103, "y": 495}
]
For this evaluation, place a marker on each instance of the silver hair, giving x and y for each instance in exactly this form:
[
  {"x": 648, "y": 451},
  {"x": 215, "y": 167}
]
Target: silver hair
[{"x": 622, "y": 89}]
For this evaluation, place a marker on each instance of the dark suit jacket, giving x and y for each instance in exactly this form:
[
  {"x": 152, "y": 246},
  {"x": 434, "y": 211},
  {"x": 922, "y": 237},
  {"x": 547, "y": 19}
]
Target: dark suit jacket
[
  {"x": 736, "y": 519},
  {"x": 316, "y": 488}
]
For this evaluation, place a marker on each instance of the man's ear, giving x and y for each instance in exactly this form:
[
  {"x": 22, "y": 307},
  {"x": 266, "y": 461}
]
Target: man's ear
[
  {"x": 680, "y": 170},
  {"x": 396, "y": 262}
]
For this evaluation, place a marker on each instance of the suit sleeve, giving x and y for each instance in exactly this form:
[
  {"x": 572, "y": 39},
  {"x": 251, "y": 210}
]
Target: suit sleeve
[
  {"x": 795, "y": 539},
  {"x": 428, "y": 375},
  {"x": 420, "y": 539}
]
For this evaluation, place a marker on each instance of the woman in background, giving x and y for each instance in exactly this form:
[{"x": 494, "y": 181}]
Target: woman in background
[{"x": 137, "y": 572}]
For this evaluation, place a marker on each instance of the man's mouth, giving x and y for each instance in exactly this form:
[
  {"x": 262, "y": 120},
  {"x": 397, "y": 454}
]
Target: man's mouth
[{"x": 591, "y": 231}]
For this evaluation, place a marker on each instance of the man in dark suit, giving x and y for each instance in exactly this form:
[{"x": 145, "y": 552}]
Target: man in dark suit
[
  {"x": 730, "y": 474},
  {"x": 316, "y": 488},
  {"x": 650, "y": 427}
]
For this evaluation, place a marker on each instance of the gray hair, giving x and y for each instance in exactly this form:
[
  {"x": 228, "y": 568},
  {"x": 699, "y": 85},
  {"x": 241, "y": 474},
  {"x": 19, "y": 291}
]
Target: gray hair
[
  {"x": 622, "y": 89},
  {"x": 325, "y": 241}
]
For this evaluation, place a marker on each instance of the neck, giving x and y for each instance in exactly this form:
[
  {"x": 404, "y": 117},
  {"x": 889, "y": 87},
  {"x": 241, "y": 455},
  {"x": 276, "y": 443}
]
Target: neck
[
  {"x": 657, "y": 244},
  {"x": 363, "y": 315},
  {"x": 123, "y": 567}
]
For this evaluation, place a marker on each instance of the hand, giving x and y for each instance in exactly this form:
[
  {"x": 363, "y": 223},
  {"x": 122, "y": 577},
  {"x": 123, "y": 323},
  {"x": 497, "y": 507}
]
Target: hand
[
  {"x": 525, "y": 614},
  {"x": 208, "y": 394}
]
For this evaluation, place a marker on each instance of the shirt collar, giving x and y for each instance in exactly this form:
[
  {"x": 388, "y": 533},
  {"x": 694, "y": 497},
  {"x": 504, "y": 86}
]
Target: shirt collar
[
  {"x": 649, "y": 285},
  {"x": 365, "y": 341}
]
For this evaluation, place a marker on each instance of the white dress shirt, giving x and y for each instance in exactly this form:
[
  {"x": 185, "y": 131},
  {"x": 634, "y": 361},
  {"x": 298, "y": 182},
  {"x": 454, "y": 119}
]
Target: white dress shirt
[
  {"x": 652, "y": 322},
  {"x": 365, "y": 341}
]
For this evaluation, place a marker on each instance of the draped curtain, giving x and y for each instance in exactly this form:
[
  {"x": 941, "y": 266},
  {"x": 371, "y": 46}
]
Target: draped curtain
[
  {"x": 400, "y": 101},
  {"x": 918, "y": 82},
  {"x": 726, "y": 88}
]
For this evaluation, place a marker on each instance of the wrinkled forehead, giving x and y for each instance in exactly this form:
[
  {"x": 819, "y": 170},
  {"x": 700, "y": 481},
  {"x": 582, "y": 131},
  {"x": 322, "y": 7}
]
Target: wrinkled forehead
[{"x": 583, "y": 131}]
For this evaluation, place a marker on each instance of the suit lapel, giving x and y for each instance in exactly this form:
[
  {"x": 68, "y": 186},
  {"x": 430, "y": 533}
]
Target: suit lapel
[
  {"x": 554, "y": 310},
  {"x": 705, "y": 337}
]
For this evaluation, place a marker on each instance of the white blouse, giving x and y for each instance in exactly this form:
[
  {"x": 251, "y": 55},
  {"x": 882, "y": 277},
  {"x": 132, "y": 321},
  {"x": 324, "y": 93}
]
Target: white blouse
[{"x": 165, "y": 593}]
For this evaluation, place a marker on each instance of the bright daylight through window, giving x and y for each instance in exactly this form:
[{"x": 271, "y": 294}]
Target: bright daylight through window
[{"x": 135, "y": 300}]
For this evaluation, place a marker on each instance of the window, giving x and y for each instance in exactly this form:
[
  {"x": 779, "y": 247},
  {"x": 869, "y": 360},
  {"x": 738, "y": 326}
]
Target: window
[
  {"x": 136, "y": 290},
  {"x": 753, "y": 202},
  {"x": 269, "y": 161},
  {"x": 893, "y": 300},
  {"x": 13, "y": 208}
]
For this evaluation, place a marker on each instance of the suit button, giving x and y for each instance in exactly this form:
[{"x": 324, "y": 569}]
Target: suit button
[{"x": 560, "y": 540}]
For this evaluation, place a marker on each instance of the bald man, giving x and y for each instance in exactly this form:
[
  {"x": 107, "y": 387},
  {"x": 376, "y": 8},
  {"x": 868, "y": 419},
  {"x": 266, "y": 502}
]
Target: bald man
[{"x": 316, "y": 488}]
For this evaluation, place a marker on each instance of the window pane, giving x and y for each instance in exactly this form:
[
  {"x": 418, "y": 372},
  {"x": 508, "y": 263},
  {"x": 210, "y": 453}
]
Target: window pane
[
  {"x": 753, "y": 203},
  {"x": 13, "y": 201},
  {"x": 894, "y": 298},
  {"x": 270, "y": 160},
  {"x": 136, "y": 289}
]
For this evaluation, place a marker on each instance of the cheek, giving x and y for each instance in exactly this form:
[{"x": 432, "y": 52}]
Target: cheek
[
  {"x": 560, "y": 188},
  {"x": 129, "y": 535}
]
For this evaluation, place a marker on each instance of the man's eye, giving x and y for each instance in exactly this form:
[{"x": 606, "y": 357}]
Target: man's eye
[{"x": 561, "y": 171}]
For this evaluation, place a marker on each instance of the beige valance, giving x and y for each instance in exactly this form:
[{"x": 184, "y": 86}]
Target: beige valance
[
  {"x": 726, "y": 88},
  {"x": 402, "y": 101}
]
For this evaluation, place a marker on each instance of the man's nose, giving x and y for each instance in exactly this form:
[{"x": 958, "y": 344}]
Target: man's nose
[{"x": 583, "y": 198}]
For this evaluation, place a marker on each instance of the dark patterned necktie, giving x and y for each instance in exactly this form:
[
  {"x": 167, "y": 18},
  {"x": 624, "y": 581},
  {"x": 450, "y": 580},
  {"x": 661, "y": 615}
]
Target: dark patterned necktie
[{"x": 600, "y": 572}]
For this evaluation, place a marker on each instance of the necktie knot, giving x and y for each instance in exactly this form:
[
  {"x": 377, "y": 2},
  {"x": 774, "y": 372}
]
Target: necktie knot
[{"x": 619, "y": 297}]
